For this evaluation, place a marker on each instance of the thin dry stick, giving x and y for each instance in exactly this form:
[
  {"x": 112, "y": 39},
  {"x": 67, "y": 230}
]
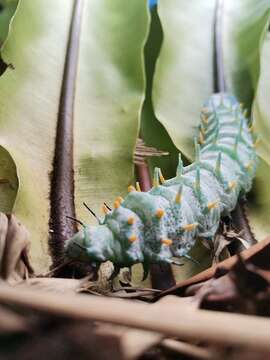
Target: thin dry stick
[
  {"x": 188, "y": 349},
  {"x": 60, "y": 266},
  {"x": 178, "y": 321},
  {"x": 161, "y": 274}
]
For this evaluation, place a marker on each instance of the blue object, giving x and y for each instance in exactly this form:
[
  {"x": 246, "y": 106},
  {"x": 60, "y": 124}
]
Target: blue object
[{"x": 152, "y": 3}]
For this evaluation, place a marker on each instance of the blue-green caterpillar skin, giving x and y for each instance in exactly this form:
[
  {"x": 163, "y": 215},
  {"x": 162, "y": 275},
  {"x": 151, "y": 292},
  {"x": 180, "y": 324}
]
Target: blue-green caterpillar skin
[{"x": 155, "y": 226}]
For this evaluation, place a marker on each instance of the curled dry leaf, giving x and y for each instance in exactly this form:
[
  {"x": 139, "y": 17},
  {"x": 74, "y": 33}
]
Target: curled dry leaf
[
  {"x": 226, "y": 237},
  {"x": 14, "y": 246},
  {"x": 220, "y": 247},
  {"x": 244, "y": 289}
]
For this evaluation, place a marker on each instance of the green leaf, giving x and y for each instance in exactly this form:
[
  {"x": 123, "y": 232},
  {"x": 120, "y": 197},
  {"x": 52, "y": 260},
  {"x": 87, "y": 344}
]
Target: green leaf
[
  {"x": 7, "y": 9},
  {"x": 244, "y": 27},
  {"x": 8, "y": 181},
  {"x": 246, "y": 57},
  {"x": 109, "y": 95},
  {"x": 261, "y": 107},
  {"x": 110, "y": 91},
  {"x": 176, "y": 90},
  {"x": 260, "y": 204},
  {"x": 152, "y": 131},
  {"x": 28, "y": 109},
  {"x": 183, "y": 80},
  {"x": 184, "y": 77}
]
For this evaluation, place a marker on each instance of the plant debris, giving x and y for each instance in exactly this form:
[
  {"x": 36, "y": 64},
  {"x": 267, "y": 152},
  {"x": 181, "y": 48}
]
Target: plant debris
[
  {"x": 257, "y": 254},
  {"x": 244, "y": 289},
  {"x": 14, "y": 247}
]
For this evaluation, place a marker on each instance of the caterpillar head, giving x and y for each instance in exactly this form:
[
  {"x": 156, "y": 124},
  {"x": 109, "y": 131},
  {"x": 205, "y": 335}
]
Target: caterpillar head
[
  {"x": 117, "y": 239},
  {"x": 91, "y": 243}
]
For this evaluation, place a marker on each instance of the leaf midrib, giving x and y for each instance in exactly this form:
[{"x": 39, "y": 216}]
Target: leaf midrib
[{"x": 62, "y": 179}]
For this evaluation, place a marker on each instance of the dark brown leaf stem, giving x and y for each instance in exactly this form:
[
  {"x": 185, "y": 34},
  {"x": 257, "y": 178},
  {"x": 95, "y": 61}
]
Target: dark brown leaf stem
[
  {"x": 62, "y": 181},
  {"x": 161, "y": 274}
]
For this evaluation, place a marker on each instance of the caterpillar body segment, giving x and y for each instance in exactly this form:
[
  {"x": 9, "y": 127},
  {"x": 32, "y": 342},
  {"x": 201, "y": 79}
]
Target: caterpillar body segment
[{"x": 155, "y": 226}]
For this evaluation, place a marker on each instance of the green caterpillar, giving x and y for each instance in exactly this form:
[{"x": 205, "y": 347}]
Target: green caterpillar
[{"x": 155, "y": 226}]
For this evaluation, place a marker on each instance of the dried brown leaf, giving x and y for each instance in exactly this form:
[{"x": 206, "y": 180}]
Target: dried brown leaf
[
  {"x": 220, "y": 246},
  {"x": 14, "y": 246},
  {"x": 244, "y": 289}
]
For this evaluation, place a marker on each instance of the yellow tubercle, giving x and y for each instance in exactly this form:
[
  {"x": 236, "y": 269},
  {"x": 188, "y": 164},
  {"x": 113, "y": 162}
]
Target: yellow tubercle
[
  {"x": 190, "y": 227},
  {"x": 131, "y": 188},
  {"x": 201, "y": 138},
  {"x": 249, "y": 165},
  {"x": 160, "y": 213},
  {"x": 132, "y": 238},
  {"x": 138, "y": 188},
  {"x": 162, "y": 180},
  {"x": 167, "y": 242},
  {"x": 178, "y": 198},
  {"x": 116, "y": 204},
  {"x": 204, "y": 120},
  {"x": 131, "y": 220},
  {"x": 212, "y": 205},
  {"x": 119, "y": 199},
  {"x": 232, "y": 184}
]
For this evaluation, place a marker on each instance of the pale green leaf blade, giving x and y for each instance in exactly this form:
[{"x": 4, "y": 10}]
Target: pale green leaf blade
[
  {"x": 183, "y": 80},
  {"x": 246, "y": 57},
  {"x": 110, "y": 91},
  {"x": 8, "y": 181},
  {"x": 109, "y": 95},
  {"x": 261, "y": 109},
  {"x": 28, "y": 109},
  {"x": 184, "y": 72},
  {"x": 260, "y": 204},
  {"x": 244, "y": 26},
  {"x": 7, "y": 10},
  {"x": 152, "y": 131}
]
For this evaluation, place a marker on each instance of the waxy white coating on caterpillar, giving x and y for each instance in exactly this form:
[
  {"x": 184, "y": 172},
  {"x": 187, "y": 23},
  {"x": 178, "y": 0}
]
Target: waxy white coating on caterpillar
[{"x": 154, "y": 226}]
